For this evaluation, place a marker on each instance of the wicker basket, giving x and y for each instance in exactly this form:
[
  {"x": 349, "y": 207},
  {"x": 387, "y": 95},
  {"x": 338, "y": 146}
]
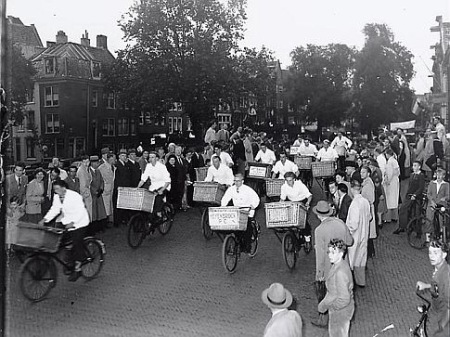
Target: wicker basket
[
  {"x": 200, "y": 173},
  {"x": 137, "y": 199},
  {"x": 259, "y": 170},
  {"x": 228, "y": 218},
  {"x": 273, "y": 187},
  {"x": 323, "y": 169},
  {"x": 303, "y": 163},
  {"x": 41, "y": 238},
  {"x": 285, "y": 214},
  {"x": 209, "y": 192}
]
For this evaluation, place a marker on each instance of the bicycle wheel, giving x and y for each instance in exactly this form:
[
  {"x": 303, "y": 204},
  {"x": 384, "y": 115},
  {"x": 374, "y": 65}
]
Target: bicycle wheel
[
  {"x": 136, "y": 230},
  {"x": 230, "y": 253},
  {"x": 94, "y": 258},
  {"x": 307, "y": 247},
  {"x": 254, "y": 240},
  {"x": 416, "y": 237},
  {"x": 38, "y": 275},
  {"x": 167, "y": 215},
  {"x": 289, "y": 251},
  {"x": 206, "y": 230}
]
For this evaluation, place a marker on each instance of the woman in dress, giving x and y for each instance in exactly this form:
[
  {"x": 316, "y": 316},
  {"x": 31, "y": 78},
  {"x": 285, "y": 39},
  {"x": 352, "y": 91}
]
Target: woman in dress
[
  {"x": 35, "y": 197},
  {"x": 391, "y": 186}
]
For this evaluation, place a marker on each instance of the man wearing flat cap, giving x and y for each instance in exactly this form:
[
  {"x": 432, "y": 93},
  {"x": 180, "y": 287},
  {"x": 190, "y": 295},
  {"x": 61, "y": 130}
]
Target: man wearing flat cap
[
  {"x": 330, "y": 228},
  {"x": 104, "y": 151},
  {"x": 122, "y": 178},
  {"x": 135, "y": 168},
  {"x": 284, "y": 322}
]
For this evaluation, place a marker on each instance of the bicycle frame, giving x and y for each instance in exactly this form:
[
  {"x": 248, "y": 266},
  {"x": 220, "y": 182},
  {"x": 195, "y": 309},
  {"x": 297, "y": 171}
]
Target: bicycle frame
[
  {"x": 418, "y": 331},
  {"x": 441, "y": 214}
]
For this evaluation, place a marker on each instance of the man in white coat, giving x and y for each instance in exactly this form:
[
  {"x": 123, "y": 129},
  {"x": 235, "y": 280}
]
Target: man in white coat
[
  {"x": 358, "y": 220},
  {"x": 107, "y": 171}
]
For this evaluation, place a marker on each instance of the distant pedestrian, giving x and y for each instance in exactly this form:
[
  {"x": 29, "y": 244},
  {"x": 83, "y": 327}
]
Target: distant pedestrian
[
  {"x": 210, "y": 135},
  {"x": 35, "y": 197},
  {"x": 391, "y": 186},
  {"x": 284, "y": 322},
  {"x": 85, "y": 176},
  {"x": 107, "y": 171}
]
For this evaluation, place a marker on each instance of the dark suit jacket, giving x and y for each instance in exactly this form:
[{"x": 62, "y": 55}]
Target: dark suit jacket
[
  {"x": 416, "y": 184},
  {"x": 197, "y": 160},
  {"x": 441, "y": 198},
  {"x": 135, "y": 173},
  {"x": 343, "y": 207},
  {"x": 13, "y": 189},
  {"x": 122, "y": 175},
  {"x": 73, "y": 185}
]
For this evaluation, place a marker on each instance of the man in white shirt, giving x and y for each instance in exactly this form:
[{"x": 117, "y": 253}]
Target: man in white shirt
[
  {"x": 210, "y": 135},
  {"x": 283, "y": 166},
  {"x": 56, "y": 163},
  {"x": 298, "y": 141},
  {"x": 295, "y": 190},
  {"x": 326, "y": 153},
  {"x": 159, "y": 181},
  {"x": 341, "y": 144},
  {"x": 74, "y": 217},
  {"x": 307, "y": 149},
  {"x": 265, "y": 155},
  {"x": 219, "y": 173},
  {"x": 225, "y": 158},
  {"x": 243, "y": 196}
]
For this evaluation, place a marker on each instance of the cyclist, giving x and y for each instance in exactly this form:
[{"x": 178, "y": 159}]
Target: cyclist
[
  {"x": 159, "y": 182},
  {"x": 439, "y": 288},
  {"x": 438, "y": 195},
  {"x": 219, "y": 173},
  {"x": 243, "y": 196},
  {"x": 75, "y": 218},
  {"x": 283, "y": 166}
]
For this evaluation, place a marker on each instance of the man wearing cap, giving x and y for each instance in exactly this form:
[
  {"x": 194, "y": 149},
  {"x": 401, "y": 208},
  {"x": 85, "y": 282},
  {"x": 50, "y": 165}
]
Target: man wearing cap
[
  {"x": 122, "y": 178},
  {"x": 104, "y": 151},
  {"x": 330, "y": 228},
  {"x": 135, "y": 168},
  {"x": 358, "y": 222},
  {"x": 284, "y": 322},
  {"x": 97, "y": 187}
]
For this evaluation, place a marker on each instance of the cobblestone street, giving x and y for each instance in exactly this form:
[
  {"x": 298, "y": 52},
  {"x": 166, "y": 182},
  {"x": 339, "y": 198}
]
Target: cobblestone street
[{"x": 176, "y": 286}]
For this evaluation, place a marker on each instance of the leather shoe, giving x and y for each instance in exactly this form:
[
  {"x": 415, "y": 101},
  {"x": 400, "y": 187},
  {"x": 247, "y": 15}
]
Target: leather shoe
[
  {"x": 398, "y": 231},
  {"x": 74, "y": 276}
]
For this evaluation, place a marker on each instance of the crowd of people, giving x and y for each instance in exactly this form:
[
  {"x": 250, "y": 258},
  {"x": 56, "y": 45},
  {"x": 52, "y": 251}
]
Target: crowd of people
[{"x": 360, "y": 198}]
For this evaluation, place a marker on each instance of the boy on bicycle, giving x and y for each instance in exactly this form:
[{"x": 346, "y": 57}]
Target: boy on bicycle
[
  {"x": 439, "y": 288},
  {"x": 438, "y": 195}
]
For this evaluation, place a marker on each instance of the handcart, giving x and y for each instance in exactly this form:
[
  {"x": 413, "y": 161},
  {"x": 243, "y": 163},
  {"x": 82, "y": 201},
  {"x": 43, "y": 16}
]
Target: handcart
[{"x": 288, "y": 221}]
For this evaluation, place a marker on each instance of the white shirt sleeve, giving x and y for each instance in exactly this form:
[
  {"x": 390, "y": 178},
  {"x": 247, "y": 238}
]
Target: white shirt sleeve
[
  {"x": 209, "y": 174},
  {"x": 226, "y": 197},
  {"x": 230, "y": 177},
  {"x": 258, "y": 155},
  {"x": 283, "y": 192},
  {"x": 54, "y": 210}
]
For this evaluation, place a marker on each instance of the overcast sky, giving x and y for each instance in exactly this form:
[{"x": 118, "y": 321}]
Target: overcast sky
[{"x": 280, "y": 25}]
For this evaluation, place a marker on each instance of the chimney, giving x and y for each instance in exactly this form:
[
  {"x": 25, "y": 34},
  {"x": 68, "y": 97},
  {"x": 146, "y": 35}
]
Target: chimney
[
  {"x": 85, "y": 39},
  {"x": 61, "y": 37},
  {"x": 102, "y": 41},
  {"x": 50, "y": 44}
]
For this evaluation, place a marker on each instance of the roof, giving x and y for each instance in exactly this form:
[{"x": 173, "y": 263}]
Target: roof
[
  {"x": 26, "y": 37},
  {"x": 77, "y": 51}
]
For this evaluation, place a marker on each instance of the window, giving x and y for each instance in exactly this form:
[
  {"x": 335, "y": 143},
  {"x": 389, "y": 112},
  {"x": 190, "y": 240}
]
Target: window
[
  {"x": 52, "y": 123},
  {"x": 49, "y": 65},
  {"x": 170, "y": 124},
  {"x": 148, "y": 118},
  {"x": 224, "y": 118},
  {"x": 30, "y": 148},
  {"x": 20, "y": 126},
  {"x": 29, "y": 95},
  {"x": 30, "y": 120},
  {"x": 280, "y": 104},
  {"x": 280, "y": 88},
  {"x": 122, "y": 127},
  {"x": 243, "y": 102},
  {"x": 96, "y": 69},
  {"x": 133, "y": 127},
  {"x": 109, "y": 126},
  {"x": 189, "y": 124},
  {"x": 111, "y": 101},
  {"x": 60, "y": 147},
  {"x": 175, "y": 124},
  {"x": 141, "y": 118},
  {"x": 51, "y": 96},
  {"x": 95, "y": 99}
]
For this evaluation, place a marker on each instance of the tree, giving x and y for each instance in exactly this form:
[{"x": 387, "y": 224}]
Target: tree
[
  {"x": 383, "y": 72},
  {"x": 320, "y": 82},
  {"x": 179, "y": 51}
]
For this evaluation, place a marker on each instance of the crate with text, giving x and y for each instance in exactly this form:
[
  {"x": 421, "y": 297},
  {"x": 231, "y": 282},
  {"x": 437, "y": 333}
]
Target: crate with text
[
  {"x": 259, "y": 170},
  {"x": 285, "y": 214},
  {"x": 273, "y": 187},
  {"x": 321, "y": 169},
  {"x": 229, "y": 218},
  {"x": 303, "y": 162},
  {"x": 209, "y": 192},
  {"x": 293, "y": 150},
  {"x": 136, "y": 199}
]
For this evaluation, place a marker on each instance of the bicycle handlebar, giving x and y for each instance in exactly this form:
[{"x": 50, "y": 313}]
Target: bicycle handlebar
[{"x": 418, "y": 293}]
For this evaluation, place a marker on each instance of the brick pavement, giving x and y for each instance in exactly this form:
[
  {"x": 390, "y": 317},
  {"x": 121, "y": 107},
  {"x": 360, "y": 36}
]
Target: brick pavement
[{"x": 176, "y": 286}]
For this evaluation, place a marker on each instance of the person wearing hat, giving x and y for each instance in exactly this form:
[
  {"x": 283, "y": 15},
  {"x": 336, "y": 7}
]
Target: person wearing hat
[
  {"x": 122, "y": 178},
  {"x": 98, "y": 220},
  {"x": 358, "y": 222},
  {"x": 284, "y": 322},
  {"x": 135, "y": 168},
  {"x": 338, "y": 301},
  {"x": 104, "y": 151},
  {"x": 85, "y": 177},
  {"x": 351, "y": 171},
  {"x": 107, "y": 170},
  {"x": 438, "y": 194},
  {"x": 329, "y": 228}
]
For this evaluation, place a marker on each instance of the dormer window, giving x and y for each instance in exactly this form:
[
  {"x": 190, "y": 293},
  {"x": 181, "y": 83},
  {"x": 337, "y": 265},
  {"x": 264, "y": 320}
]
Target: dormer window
[
  {"x": 96, "y": 69},
  {"x": 49, "y": 65}
]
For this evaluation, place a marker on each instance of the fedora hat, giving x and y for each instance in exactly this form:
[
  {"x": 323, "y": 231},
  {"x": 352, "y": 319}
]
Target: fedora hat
[
  {"x": 323, "y": 208},
  {"x": 276, "y": 296}
]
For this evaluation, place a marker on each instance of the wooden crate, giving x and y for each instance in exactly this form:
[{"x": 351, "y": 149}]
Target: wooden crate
[
  {"x": 200, "y": 173},
  {"x": 259, "y": 170},
  {"x": 285, "y": 214},
  {"x": 323, "y": 169},
  {"x": 209, "y": 192},
  {"x": 273, "y": 187},
  {"x": 303, "y": 163},
  {"x": 136, "y": 199},
  {"x": 36, "y": 237},
  {"x": 228, "y": 218}
]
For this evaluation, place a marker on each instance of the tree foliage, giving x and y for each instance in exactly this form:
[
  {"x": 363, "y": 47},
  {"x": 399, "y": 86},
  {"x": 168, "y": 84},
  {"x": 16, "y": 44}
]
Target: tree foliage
[
  {"x": 320, "y": 82},
  {"x": 383, "y": 73}
]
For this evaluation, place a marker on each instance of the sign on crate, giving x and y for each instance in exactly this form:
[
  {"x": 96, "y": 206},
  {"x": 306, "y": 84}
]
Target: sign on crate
[
  {"x": 257, "y": 171},
  {"x": 228, "y": 218},
  {"x": 294, "y": 150}
]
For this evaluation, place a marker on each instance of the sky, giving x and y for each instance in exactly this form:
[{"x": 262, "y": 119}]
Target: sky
[{"x": 279, "y": 25}]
